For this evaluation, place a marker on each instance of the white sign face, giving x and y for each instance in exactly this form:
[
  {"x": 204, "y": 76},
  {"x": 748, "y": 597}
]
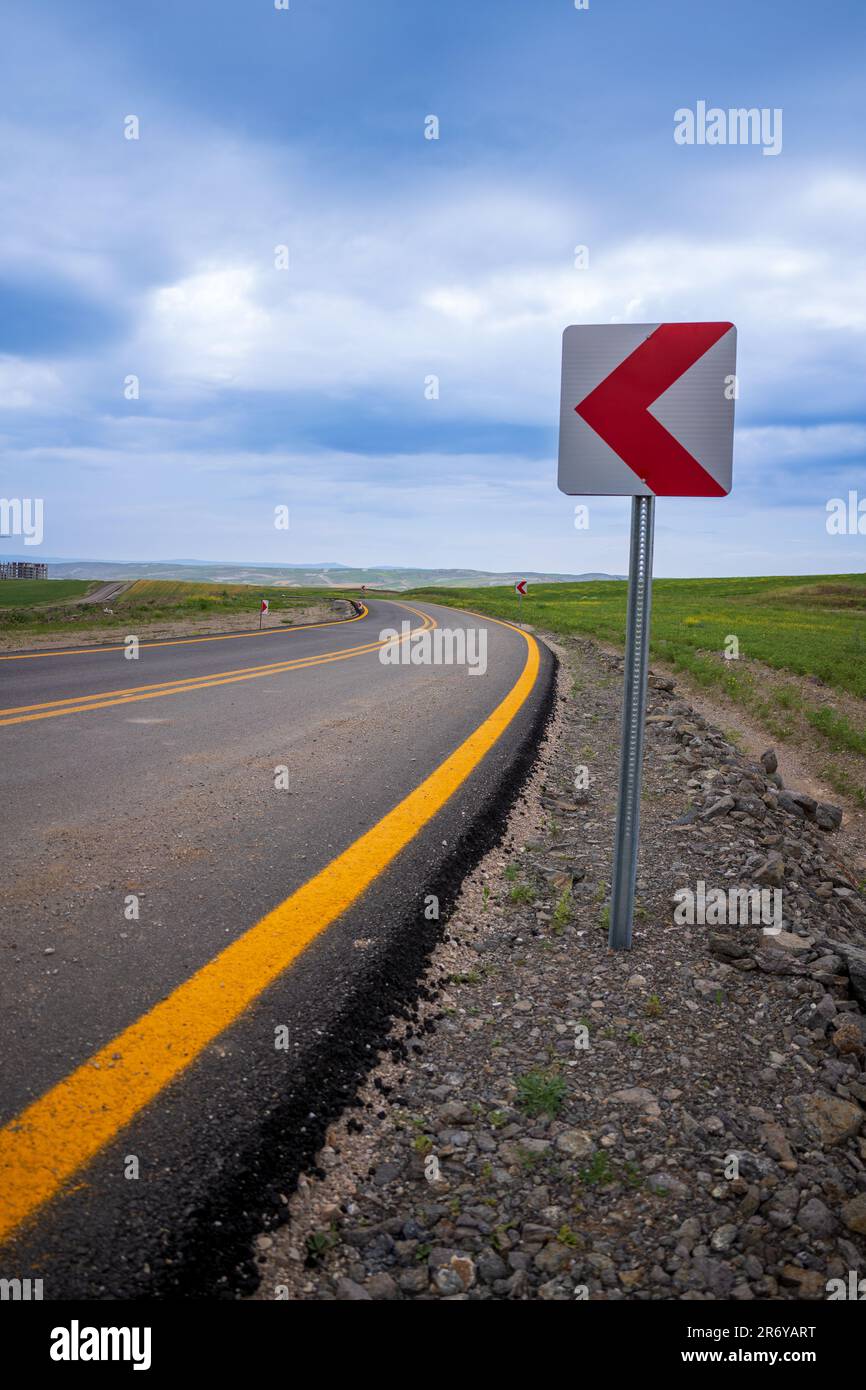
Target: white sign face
[{"x": 648, "y": 409}]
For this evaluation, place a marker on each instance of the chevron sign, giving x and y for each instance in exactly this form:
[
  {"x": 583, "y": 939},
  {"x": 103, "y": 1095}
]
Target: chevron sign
[{"x": 648, "y": 409}]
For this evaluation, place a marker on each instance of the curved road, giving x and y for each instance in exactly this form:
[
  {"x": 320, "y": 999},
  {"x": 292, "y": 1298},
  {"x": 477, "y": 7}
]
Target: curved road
[{"x": 216, "y": 862}]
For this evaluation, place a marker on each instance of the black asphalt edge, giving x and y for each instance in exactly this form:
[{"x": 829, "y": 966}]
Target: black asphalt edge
[{"x": 214, "y": 1257}]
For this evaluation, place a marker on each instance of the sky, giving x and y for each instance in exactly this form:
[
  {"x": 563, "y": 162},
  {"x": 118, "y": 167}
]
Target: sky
[{"x": 302, "y": 378}]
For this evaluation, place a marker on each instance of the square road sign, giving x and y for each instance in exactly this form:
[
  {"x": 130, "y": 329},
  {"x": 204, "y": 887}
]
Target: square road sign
[{"x": 647, "y": 409}]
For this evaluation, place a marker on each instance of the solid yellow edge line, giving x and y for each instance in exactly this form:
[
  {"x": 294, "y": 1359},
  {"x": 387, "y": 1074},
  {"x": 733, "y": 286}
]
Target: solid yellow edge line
[
  {"x": 49, "y": 1141},
  {"x": 79, "y": 704},
  {"x": 188, "y": 641}
]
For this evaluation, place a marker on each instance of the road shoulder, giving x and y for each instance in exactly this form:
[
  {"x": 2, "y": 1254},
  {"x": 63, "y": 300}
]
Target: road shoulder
[{"x": 685, "y": 1121}]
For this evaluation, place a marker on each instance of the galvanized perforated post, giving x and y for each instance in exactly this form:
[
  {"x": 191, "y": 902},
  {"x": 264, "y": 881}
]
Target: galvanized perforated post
[{"x": 633, "y": 716}]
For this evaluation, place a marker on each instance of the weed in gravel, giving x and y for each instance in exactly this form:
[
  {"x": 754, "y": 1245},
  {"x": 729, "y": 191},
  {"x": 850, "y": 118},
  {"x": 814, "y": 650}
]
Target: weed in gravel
[
  {"x": 540, "y": 1093},
  {"x": 653, "y": 1007},
  {"x": 318, "y": 1245},
  {"x": 521, "y": 893},
  {"x": 562, "y": 913},
  {"x": 599, "y": 1172}
]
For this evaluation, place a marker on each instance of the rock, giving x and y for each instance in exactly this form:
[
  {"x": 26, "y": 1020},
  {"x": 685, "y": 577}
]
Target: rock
[
  {"x": 786, "y": 941},
  {"x": 854, "y": 1214},
  {"x": 661, "y": 683},
  {"x": 776, "y": 1142},
  {"x": 415, "y": 1280},
  {"x": 689, "y": 1233},
  {"x": 516, "y": 1151},
  {"x": 448, "y": 1281},
  {"x": 810, "y": 1283},
  {"x": 382, "y": 1287},
  {"x": 554, "y": 1258},
  {"x": 490, "y": 1266},
  {"x": 727, "y": 947},
  {"x": 808, "y": 803},
  {"x": 854, "y": 958},
  {"x": 667, "y": 1185},
  {"x": 724, "y": 1237},
  {"x": 772, "y": 871},
  {"x": 786, "y": 802},
  {"x": 386, "y": 1173},
  {"x": 634, "y": 1095},
  {"x": 464, "y": 1268},
  {"x": 815, "y": 1218},
  {"x": 576, "y": 1143},
  {"x": 718, "y": 808},
  {"x": 830, "y": 1119},
  {"x": 848, "y": 1036},
  {"x": 454, "y": 1112},
  {"x": 769, "y": 761},
  {"x": 828, "y": 817},
  {"x": 348, "y": 1291}
]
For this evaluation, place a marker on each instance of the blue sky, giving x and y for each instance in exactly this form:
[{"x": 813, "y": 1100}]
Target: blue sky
[{"x": 409, "y": 258}]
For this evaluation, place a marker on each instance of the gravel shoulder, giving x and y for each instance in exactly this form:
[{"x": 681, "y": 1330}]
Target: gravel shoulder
[{"x": 556, "y": 1121}]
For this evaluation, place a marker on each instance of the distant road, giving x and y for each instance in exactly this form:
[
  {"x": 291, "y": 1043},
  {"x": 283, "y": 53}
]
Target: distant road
[
  {"x": 198, "y": 958},
  {"x": 105, "y": 593}
]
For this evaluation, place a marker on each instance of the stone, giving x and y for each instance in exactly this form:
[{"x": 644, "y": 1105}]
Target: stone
[
  {"x": 816, "y": 1218},
  {"x": 828, "y": 817},
  {"x": 554, "y": 1258},
  {"x": 787, "y": 941},
  {"x": 724, "y": 1237},
  {"x": 490, "y": 1266},
  {"x": 776, "y": 1142},
  {"x": 829, "y": 1118},
  {"x": 810, "y": 1283},
  {"x": 348, "y": 1291},
  {"x": 771, "y": 872},
  {"x": 414, "y": 1280},
  {"x": 718, "y": 808},
  {"x": 634, "y": 1095},
  {"x": 576, "y": 1143},
  {"x": 854, "y": 958},
  {"x": 382, "y": 1287},
  {"x": 854, "y": 1214},
  {"x": 848, "y": 1037}
]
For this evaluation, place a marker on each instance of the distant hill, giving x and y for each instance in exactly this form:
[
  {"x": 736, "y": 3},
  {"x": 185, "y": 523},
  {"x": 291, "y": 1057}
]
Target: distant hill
[{"x": 305, "y": 576}]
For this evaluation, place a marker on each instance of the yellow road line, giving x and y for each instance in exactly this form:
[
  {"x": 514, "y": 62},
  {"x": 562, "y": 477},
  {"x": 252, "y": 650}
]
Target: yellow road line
[
  {"x": 48, "y": 1142},
  {"x": 84, "y": 704},
  {"x": 189, "y": 641}
]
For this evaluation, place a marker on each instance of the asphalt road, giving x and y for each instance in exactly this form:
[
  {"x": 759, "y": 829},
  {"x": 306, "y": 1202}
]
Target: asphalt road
[{"x": 216, "y": 862}]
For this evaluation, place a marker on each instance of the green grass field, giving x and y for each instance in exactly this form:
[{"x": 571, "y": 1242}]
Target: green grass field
[
  {"x": 16, "y": 593},
  {"x": 806, "y": 626},
  {"x": 42, "y": 606},
  {"x": 162, "y": 597}
]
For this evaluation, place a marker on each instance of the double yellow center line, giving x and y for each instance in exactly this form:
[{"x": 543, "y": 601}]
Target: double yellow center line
[{"x": 85, "y": 704}]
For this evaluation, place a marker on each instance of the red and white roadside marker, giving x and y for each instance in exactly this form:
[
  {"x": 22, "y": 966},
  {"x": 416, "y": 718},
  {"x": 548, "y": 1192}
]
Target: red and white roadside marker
[
  {"x": 520, "y": 587},
  {"x": 647, "y": 411},
  {"x": 265, "y": 608}
]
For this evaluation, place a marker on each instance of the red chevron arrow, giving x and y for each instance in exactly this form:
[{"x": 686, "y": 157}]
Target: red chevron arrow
[{"x": 618, "y": 409}]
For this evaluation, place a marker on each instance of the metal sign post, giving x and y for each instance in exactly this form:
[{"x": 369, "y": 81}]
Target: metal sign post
[
  {"x": 647, "y": 411},
  {"x": 634, "y": 698}
]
